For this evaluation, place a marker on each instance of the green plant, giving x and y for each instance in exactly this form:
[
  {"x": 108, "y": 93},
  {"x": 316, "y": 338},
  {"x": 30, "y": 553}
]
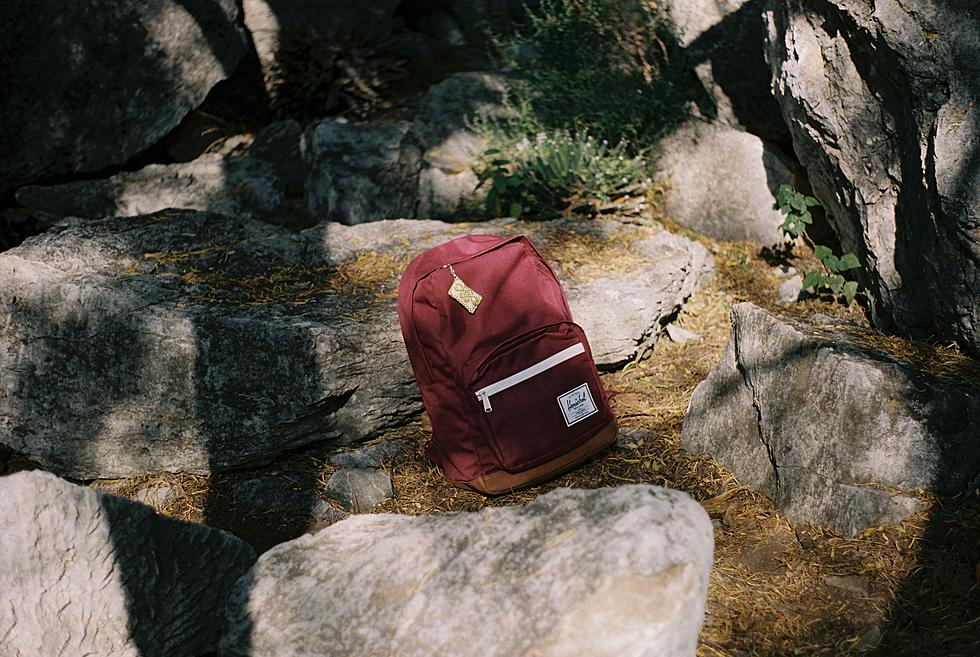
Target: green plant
[
  {"x": 597, "y": 65},
  {"x": 795, "y": 207},
  {"x": 560, "y": 172}
]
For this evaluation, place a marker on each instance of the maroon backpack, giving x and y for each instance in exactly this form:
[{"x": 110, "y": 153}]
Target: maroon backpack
[{"x": 506, "y": 377}]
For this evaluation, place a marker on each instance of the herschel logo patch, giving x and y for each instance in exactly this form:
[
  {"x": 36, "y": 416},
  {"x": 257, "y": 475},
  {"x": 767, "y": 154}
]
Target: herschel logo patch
[{"x": 577, "y": 404}]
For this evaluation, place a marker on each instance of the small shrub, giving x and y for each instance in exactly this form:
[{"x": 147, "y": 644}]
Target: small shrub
[
  {"x": 560, "y": 172},
  {"x": 597, "y": 65},
  {"x": 796, "y": 210}
]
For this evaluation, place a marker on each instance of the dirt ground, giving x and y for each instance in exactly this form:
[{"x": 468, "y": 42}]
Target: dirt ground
[{"x": 775, "y": 589}]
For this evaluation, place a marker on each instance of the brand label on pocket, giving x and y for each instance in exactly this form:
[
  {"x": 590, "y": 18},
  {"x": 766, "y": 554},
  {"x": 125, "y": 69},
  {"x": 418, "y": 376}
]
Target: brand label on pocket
[{"x": 577, "y": 404}]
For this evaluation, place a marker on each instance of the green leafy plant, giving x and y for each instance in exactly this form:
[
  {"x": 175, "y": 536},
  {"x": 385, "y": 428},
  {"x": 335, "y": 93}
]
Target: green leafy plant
[
  {"x": 795, "y": 207},
  {"x": 562, "y": 172},
  {"x": 601, "y": 65}
]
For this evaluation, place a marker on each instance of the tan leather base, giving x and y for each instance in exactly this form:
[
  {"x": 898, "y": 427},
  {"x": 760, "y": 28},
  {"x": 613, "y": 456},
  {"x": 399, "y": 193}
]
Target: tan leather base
[{"x": 497, "y": 483}]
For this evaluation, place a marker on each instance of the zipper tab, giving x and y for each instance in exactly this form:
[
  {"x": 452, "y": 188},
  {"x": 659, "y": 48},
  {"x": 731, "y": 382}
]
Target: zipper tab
[{"x": 485, "y": 398}]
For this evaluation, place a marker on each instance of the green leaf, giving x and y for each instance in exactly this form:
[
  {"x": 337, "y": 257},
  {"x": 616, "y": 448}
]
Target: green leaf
[
  {"x": 500, "y": 163},
  {"x": 515, "y": 209},
  {"x": 500, "y": 184},
  {"x": 806, "y": 217},
  {"x": 835, "y": 283},
  {"x": 849, "y": 261},
  {"x": 812, "y": 280},
  {"x": 491, "y": 151},
  {"x": 822, "y": 252},
  {"x": 850, "y": 290},
  {"x": 832, "y": 263},
  {"x": 811, "y": 202}
]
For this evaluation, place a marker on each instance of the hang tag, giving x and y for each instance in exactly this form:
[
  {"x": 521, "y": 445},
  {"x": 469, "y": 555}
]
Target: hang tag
[{"x": 463, "y": 293}]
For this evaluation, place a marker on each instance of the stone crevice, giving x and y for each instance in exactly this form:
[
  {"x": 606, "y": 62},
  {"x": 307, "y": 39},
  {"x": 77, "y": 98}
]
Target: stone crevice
[{"x": 760, "y": 424}]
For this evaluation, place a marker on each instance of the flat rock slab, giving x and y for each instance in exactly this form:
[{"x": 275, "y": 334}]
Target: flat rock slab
[
  {"x": 90, "y": 85},
  {"x": 88, "y": 573},
  {"x": 238, "y": 186},
  {"x": 498, "y": 583},
  {"x": 830, "y": 427},
  {"x": 193, "y": 342}
]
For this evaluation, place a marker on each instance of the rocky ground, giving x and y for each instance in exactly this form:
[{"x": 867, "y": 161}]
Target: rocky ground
[{"x": 776, "y": 588}]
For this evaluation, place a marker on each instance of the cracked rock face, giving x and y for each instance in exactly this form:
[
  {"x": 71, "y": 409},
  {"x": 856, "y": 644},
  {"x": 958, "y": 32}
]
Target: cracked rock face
[
  {"x": 71, "y": 107},
  {"x": 192, "y": 342},
  {"x": 87, "y": 573},
  {"x": 881, "y": 101},
  {"x": 356, "y": 173},
  {"x": 499, "y": 583},
  {"x": 831, "y": 430}
]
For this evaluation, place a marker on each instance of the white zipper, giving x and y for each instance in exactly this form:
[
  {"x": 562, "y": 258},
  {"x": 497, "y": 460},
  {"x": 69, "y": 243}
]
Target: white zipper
[{"x": 484, "y": 393}]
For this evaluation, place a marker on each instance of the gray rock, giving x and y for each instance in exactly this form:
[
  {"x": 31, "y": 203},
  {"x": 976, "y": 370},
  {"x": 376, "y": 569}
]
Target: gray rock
[
  {"x": 502, "y": 582},
  {"x": 444, "y": 125},
  {"x": 789, "y": 291},
  {"x": 358, "y": 173},
  {"x": 240, "y": 187},
  {"x": 681, "y": 335},
  {"x": 359, "y": 489},
  {"x": 191, "y": 342},
  {"x": 725, "y": 42},
  {"x": 830, "y": 429},
  {"x": 157, "y": 496},
  {"x": 87, "y": 573},
  {"x": 372, "y": 456},
  {"x": 783, "y": 271},
  {"x": 273, "y": 494},
  {"x": 722, "y": 182},
  {"x": 278, "y": 144},
  {"x": 91, "y": 85},
  {"x": 880, "y": 100}
]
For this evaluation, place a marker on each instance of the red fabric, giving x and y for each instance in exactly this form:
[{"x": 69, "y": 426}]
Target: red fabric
[{"x": 522, "y": 320}]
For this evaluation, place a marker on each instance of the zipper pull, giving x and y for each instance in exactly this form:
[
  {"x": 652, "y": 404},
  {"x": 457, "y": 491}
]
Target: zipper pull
[{"x": 485, "y": 398}]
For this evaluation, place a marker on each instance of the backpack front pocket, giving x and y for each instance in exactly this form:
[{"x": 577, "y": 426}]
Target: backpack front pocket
[{"x": 540, "y": 396}]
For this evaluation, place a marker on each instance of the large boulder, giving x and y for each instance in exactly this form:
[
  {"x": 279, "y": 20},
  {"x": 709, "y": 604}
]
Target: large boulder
[
  {"x": 837, "y": 432},
  {"x": 88, "y": 573},
  {"x": 243, "y": 187},
  {"x": 725, "y": 41},
  {"x": 880, "y": 98},
  {"x": 185, "y": 341},
  {"x": 356, "y": 173},
  {"x": 90, "y": 85},
  {"x": 722, "y": 182},
  {"x": 617, "y": 572}
]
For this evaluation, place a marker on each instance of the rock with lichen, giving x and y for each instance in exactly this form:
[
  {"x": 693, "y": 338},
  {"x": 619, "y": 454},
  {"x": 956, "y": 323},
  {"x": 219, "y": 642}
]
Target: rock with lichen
[{"x": 195, "y": 342}]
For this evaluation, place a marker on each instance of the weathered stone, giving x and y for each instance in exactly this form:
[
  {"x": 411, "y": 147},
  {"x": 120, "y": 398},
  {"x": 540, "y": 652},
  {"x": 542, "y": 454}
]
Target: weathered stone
[
  {"x": 832, "y": 430},
  {"x": 278, "y": 144},
  {"x": 273, "y": 494},
  {"x": 242, "y": 187},
  {"x": 722, "y": 182},
  {"x": 358, "y": 173},
  {"x": 91, "y": 85},
  {"x": 372, "y": 456},
  {"x": 157, "y": 496},
  {"x": 359, "y": 489},
  {"x": 789, "y": 291},
  {"x": 502, "y": 582},
  {"x": 87, "y": 573},
  {"x": 725, "y": 41},
  {"x": 191, "y": 342},
  {"x": 681, "y": 335},
  {"x": 444, "y": 127},
  {"x": 880, "y": 100}
]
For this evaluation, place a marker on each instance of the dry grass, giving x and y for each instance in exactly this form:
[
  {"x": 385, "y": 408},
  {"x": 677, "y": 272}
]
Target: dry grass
[{"x": 774, "y": 589}]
